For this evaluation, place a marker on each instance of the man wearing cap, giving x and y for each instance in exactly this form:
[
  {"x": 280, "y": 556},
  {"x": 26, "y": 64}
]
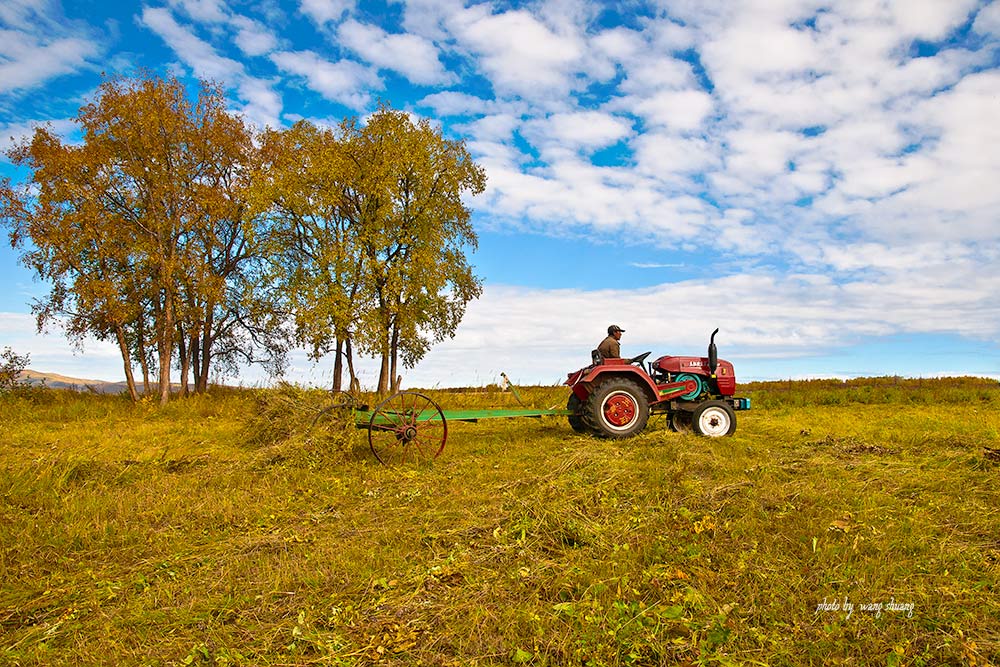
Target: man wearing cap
[{"x": 610, "y": 348}]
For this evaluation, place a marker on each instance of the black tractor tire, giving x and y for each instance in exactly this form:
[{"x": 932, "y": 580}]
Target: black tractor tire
[
  {"x": 680, "y": 422},
  {"x": 575, "y": 406},
  {"x": 714, "y": 419},
  {"x": 616, "y": 408}
]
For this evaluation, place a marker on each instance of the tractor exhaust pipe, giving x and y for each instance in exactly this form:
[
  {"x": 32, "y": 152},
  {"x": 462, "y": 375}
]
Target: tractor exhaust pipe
[{"x": 713, "y": 354}]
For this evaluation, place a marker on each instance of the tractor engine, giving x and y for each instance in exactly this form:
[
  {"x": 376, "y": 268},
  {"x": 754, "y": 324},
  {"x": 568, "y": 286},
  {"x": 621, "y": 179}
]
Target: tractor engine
[{"x": 677, "y": 369}]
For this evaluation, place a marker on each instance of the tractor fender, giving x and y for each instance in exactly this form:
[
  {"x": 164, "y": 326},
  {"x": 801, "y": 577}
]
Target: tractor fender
[{"x": 614, "y": 368}]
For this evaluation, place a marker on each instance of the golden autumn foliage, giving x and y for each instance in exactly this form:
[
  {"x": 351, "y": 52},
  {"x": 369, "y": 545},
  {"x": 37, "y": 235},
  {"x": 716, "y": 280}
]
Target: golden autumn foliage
[
  {"x": 370, "y": 233},
  {"x": 177, "y": 231}
]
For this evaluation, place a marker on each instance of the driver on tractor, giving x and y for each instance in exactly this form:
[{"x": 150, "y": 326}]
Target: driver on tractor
[{"x": 610, "y": 348}]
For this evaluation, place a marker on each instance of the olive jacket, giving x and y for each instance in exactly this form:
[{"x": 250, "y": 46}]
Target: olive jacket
[{"x": 610, "y": 348}]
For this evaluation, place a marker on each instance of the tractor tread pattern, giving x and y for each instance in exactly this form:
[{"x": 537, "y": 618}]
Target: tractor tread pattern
[{"x": 592, "y": 407}]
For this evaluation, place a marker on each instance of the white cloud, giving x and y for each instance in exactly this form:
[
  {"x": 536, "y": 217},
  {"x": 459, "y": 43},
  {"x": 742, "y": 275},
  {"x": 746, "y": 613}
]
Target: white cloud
[
  {"x": 498, "y": 127},
  {"x": 453, "y": 103},
  {"x": 892, "y": 139},
  {"x": 761, "y": 315},
  {"x": 618, "y": 44},
  {"x": 757, "y": 47},
  {"x": 38, "y": 44},
  {"x": 41, "y": 62},
  {"x": 988, "y": 20},
  {"x": 411, "y": 55},
  {"x": 666, "y": 156},
  {"x": 586, "y": 130},
  {"x": 429, "y": 18},
  {"x": 52, "y": 352},
  {"x": 676, "y": 109},
  {"x": 520, "y": 54},
  {"x": 754, "y": 154},
  {"x": 571, "y": 194},
  {"x": 206, "y": 11},
  {"x": 22, "y": 14},
  {"x": 655, "y": 265},
  {"x": 262, "y": 104},
  {"x": 646, "y": 74},
  {"x": 196, "y": 53},
  {"x": 345, "y": 82},
  {"x": 325, "y": 11},
  {"x": 252, "y": 37},
  {"x": 930, "y": 21}
]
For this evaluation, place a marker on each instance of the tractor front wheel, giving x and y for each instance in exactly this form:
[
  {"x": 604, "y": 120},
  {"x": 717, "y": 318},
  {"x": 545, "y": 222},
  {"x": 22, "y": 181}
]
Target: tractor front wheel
[
  {"x": 714, "y": 419},
  {"x": 617, "y": 408}
]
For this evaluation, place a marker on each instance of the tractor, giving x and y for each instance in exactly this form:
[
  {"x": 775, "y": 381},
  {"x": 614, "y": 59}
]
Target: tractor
[{"x": 614, "y": 398}]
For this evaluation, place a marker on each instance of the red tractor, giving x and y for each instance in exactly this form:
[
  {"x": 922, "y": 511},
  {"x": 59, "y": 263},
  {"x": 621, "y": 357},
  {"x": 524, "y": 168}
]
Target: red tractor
[{"x": 614, "y": 398}]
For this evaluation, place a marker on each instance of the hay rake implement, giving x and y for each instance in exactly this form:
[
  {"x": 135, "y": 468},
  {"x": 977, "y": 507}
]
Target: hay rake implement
[{"x": 411, "y": 427}]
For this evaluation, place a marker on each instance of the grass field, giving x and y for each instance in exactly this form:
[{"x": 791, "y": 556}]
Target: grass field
[{"x": 848, "y": 523}]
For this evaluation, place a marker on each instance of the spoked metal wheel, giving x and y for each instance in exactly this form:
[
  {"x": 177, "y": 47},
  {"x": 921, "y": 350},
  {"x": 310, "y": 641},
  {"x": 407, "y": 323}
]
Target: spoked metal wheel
[{"x": 407, "y": 427}]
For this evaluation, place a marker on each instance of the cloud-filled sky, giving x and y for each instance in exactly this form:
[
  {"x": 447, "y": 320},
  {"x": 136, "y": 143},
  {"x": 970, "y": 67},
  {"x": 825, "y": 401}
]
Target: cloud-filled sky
[{"x": 818, "y": 178}]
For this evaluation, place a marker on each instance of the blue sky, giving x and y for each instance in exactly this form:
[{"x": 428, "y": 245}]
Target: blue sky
[{"x": 818, "y": 178}]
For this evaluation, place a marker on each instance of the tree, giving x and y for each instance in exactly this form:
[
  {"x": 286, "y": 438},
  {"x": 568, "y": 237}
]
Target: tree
[
  {"x": 223, "y": 285},
  {"x": 74, "y": 243},
  {"x": 404, "y": 195},
  {"x": 11, "y": 366},
  {"x": 368, "y": 236},
  {"x": 143, "y": 230},
  {"x": 316, "y": 263}
]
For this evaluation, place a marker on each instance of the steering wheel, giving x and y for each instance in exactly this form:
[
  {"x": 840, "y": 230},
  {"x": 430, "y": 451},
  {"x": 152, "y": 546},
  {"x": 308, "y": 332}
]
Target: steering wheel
[{"x": 641, "y": 358}]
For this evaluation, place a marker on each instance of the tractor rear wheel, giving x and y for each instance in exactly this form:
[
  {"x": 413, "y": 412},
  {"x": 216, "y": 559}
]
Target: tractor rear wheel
[
  {"x": 575, "y": 406},
  {"x": 714, "y": 419},
  {"x": 616, "y": 408}
]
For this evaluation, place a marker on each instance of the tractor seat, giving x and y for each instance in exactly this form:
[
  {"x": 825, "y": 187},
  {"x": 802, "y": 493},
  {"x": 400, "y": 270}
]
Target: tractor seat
[{"x": 596, "y": 357}]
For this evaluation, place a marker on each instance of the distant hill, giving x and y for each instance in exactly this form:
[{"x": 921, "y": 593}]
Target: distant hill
[{"x": 56, "y": 381}]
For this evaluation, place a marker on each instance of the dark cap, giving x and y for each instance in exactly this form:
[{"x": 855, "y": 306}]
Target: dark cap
[{"x": 613, "y": 328}]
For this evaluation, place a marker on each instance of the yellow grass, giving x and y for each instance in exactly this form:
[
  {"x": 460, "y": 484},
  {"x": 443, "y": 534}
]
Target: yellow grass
[{"x": 223, "y": 530}]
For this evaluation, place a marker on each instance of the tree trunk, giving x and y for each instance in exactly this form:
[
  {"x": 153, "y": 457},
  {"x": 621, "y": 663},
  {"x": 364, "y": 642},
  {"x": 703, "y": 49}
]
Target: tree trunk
[
  {"x": 394, "y": 358},
  {"x": 182, "y": 354},
  {"x": 206, "y": 362},
  {"x": 383, "y": 373},
  {"x": 338, "y": 365},
  {"x": 143, "y": 353},
  {"x": 355, "y": 385},
  {"x": 127, "y": 361},
  {"x": 206, "y": 350},
  {"x": 165, "y": 348},
  {"x": 196, "y": 362}
]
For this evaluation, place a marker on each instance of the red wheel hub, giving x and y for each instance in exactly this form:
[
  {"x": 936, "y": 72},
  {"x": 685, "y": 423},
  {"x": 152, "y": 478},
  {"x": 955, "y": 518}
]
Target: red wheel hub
[{"x": 620, "y": 410}]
